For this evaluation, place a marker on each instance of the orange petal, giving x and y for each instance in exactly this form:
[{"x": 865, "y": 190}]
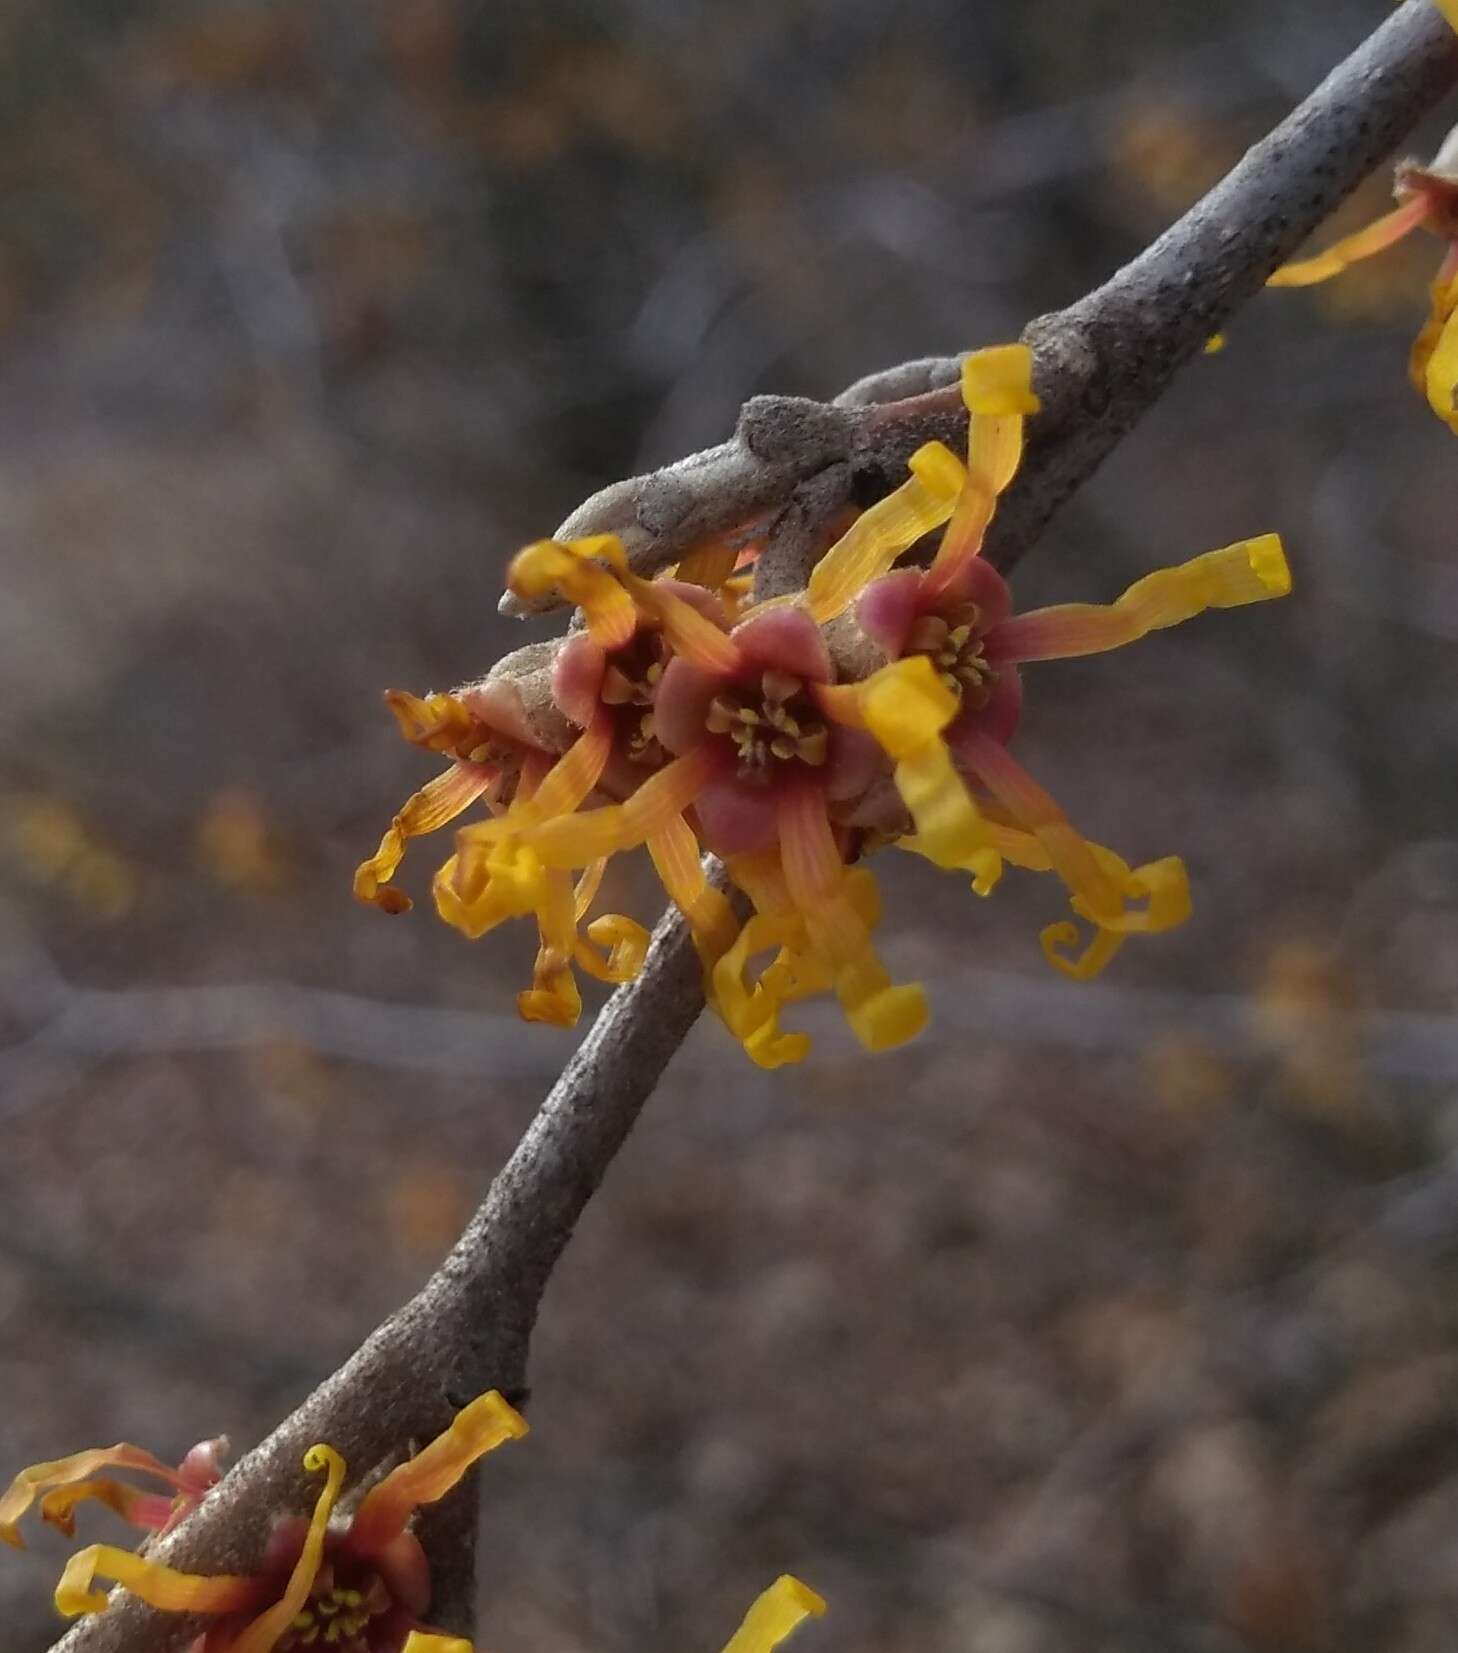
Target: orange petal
[
  {"x": 676, "y": 859},
  {"x": 431, "y": 807},
  {"x": 64, "y": 1472},
  {"x": 881, "y": 1014},
  {"x": 386, "y": 1508},
  {"x": 1391, "y": 227},
  {"x": 571, "y": 569},
  {"x": 152, "y": 1510}
]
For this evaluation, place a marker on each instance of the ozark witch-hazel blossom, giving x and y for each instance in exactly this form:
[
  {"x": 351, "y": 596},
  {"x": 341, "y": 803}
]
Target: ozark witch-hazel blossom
[
  {"x": 795, "y": 736},
  {"x": 362, "y": 1586},
  {"x": 356, "y": 1586}
]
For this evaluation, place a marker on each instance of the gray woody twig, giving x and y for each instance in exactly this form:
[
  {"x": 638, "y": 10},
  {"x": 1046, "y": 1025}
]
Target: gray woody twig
[{"x": 1099, "y": 365}]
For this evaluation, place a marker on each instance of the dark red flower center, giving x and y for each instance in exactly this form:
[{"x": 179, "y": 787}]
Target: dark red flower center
[
  {"x": 631, "y": 682},
  {"x": 338, "y": 1612},
  {"x": 771, "y": 723},
  {"x": 953, "y": 644}
]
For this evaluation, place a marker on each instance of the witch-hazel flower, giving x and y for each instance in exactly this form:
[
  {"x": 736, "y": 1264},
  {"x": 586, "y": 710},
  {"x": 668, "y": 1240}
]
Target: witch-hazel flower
[
  {"x": 794, "y": 737},
  {"x": 361, "y": 1585}
]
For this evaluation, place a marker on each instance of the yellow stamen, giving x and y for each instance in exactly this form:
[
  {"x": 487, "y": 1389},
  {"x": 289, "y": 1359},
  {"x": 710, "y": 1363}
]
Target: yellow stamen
[{"x": 786, "y": 1604}]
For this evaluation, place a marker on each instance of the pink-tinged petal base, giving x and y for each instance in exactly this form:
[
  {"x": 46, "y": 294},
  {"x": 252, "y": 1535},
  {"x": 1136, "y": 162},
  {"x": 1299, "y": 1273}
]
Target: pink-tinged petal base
[
  {"x": 406, "y": 1572},
  {"x": 854, "y": 763},
  {"x": 889, "y": 607},
  {"x": 735, "y": 818},
  {"x": 998, "y": 720},
  {"x": 577, "y": 675},
  {"x": 497, "y": 703},
  {"x": 681, "y": 705},
  {"x": 784, "y": 639}
]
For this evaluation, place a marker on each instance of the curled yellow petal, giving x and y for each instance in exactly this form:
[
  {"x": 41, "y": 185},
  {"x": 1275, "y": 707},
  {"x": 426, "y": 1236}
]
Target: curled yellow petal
[
  {"x": 553, "y": 997},
  {"x": 626, "y": 942},
  {"x": 1250, "y": 571},
  {"x": 881, "y": 534},
  {"x": 476, "y": 1430},
  {"x": 571, "y": 569},
  {"x": 422, "y": 1641},
  {"x": 487, "y": 881},
  {"x": 267, "y": 1629},
  {"x": 998, "y": 381},
  {"x": 159, "y": 1586},
  {"x": 751, "y": 1013},
  {"x": 1391, "y": 227},
  {"x": 437, "y": 722},
  {"x": 436, "y": 803},
  {"x": 30, "y": 1483},
  {"x": 1061, "y": 941},
  {"x": 786, "y": 1604}
]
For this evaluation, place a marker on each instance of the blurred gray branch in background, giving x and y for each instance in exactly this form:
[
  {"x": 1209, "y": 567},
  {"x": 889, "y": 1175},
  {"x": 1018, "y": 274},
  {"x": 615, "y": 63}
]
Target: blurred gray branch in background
[{"x": 1100, "y": 365}]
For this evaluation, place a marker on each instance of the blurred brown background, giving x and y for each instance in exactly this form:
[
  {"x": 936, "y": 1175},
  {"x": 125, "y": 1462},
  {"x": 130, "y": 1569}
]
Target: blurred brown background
[{"x": 1114, "y": 1318}]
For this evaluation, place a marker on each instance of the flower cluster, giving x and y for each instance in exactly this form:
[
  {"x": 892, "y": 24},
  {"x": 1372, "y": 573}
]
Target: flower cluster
[
  {"x": 1427, "y": 198},
  {"x": 791, "y": 738},
  {"x": 356, "y": 1586}
]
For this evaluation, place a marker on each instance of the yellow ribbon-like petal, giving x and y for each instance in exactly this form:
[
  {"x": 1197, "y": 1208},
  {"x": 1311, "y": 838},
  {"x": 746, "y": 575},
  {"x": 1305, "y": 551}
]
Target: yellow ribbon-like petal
[
  {"x": 1250, "y": 571},
  {"x": 785, "y": 1605},
  {"x": 422, "y": 1641},
  {"x": 676, "y": 859},
  {"x": 881, "y": 534},
  {"x": 906, "y": 707},
  {"x": 159, "y": 1586},
  {"x": 572, "y": 569},
  {"x": 752, "y": 1013},
  {"x": 477, "y": 1429}
]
